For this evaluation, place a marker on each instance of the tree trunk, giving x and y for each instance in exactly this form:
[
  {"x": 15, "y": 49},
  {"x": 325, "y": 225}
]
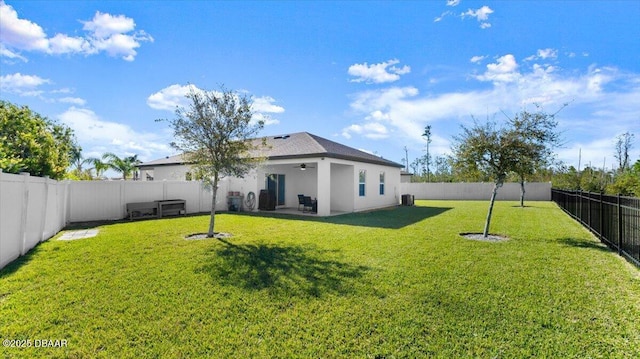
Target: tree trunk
[
  {"x": 522, "y": 192},
  {"x": 212, "y": 219},
  {"x": 493, "y": 199}
]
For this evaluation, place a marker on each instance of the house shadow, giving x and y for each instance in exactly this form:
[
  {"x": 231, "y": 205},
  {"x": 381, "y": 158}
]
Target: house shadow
[
  {"x": 389, "y": 218},
  {"x": 281, "y": 270}
]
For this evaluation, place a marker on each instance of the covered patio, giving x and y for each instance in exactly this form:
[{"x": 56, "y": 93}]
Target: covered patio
[{"x": 330, "y": 183}]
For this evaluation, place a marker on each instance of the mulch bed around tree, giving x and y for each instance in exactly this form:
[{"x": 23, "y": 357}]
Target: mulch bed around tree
[
  {"x": 481, "y": 237},
  {"x": 200, "y": 236}
]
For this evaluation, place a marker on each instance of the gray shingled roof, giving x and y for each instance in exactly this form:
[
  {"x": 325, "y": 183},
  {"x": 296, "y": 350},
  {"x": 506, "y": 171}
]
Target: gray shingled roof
[{"x": 298, "y": 145}]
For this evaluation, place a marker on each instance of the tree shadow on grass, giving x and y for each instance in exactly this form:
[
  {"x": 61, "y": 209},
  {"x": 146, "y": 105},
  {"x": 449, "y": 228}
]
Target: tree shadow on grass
[
  {"x": 290, "y": 270},
  {"x": 581, "y": 243}
]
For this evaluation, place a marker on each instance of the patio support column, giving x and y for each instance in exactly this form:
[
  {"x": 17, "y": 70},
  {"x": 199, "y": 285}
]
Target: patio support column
[{"x": 324, "y": 187}]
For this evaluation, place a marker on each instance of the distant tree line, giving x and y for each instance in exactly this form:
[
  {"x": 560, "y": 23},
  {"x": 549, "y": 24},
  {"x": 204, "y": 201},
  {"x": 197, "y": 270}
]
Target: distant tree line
[{"x": 623, "y": 180}]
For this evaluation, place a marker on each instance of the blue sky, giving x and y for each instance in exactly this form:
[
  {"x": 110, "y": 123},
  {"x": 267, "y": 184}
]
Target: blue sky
[{"x": 370, "y": 75}]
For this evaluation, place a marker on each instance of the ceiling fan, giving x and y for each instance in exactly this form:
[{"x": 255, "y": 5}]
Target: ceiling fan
[{"x": 303, "y": 166}]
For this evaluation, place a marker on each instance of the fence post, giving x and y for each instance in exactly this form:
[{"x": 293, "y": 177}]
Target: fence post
[
  {"x": 579, "y": 211},
  {"x": 601, "y": 230},
  {"x": 43, "y": 211},
  {"x": 25, "y": 211},
  {"x": 619, "y": 226}
]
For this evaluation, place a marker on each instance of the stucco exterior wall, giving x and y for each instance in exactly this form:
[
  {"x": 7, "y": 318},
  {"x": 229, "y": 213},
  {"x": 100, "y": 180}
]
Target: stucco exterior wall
[{"x": 372, "y": 198}]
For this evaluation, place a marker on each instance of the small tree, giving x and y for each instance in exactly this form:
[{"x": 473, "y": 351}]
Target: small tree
[
  {"x": 490, "y": 149},
  {"x": 538, "y": 138},
  {"x": 215, "y": 135}
]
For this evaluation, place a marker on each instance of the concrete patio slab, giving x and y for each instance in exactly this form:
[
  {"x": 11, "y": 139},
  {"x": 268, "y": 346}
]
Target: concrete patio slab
[{"x": 73, "y": 235}]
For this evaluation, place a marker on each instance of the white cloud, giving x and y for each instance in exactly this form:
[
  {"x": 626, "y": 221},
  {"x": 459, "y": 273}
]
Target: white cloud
[
  {"x": 63, "y": 44},
  {"x": 24, "y": 85},
  {"x": 20, "y": 81},
  {"x": 378, "y": 73},
  {"x": 504, "y": 70},
  {"x": 97, "y": 136},
  {"x": 481, "y": 14},
  {"x": 547, "y": 53},
  {"x": 262, "y": 107},
  {"x": 265, "y": 104},
  {"x": 477, "y": 59},
  {"x": 442, "y": 16},
  {"x": 602, "y": 104},
  {"x": 106, "y": 25},
  {"x": 544, "y": 54},
  {"x": 268, "y": 120},
  {"x": 73, "y": 100},
  {"x": 372, "y": 130},
  {"x": 6, "y": 53},
  {"x": 112, "y": 34},
  {"x": 171, "y": 97},
  {"x": 19, "y": 33},
  {"x": 453, "y": 2}
]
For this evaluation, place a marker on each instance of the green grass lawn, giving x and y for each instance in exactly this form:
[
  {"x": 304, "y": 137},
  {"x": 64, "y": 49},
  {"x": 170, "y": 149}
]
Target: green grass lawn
[{"x": 397, "y": 283}]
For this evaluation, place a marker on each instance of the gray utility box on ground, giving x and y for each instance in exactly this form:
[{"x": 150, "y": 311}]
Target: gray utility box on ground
[{"x": 407, "y": 199}]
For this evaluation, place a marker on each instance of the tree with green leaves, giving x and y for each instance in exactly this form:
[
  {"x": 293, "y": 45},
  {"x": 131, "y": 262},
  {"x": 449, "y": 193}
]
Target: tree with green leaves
[
  {"x": 79, "y": 162},
  {"x": 215, "y": 135},
  {"x": 125, "y": 165},
  {"x": 32, "y": 143},
  {"x": 490, "y": 149},
  {"x": 538, "y": 139},
  {"x": 99, "y": 166}
]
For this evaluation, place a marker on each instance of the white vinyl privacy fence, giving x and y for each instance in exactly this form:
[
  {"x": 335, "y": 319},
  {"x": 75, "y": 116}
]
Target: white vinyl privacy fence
[
  {"x": 534, "y": 191},
  {"x": 34, "y": 209}
]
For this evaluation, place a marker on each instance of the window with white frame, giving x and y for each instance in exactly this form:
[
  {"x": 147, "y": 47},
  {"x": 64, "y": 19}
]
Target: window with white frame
[
  {"x": 381, "y": 183},
  {"x": 362, "y": 182}
]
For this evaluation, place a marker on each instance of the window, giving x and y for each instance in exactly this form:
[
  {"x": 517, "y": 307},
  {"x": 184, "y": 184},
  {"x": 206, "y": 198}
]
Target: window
[
  {"x": 381, "y": 183},
  {"x": 361, "y": 186}
]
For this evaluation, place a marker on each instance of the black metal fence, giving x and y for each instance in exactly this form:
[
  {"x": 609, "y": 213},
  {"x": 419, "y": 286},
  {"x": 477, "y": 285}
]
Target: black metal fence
[{"x": 615, "y": 219}]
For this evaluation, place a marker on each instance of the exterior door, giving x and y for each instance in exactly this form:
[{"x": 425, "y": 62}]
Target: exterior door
[{"x": 276, "y": 183}]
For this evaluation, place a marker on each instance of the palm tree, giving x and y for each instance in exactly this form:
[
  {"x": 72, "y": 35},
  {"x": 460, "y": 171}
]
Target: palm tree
[
  {"x": 99, "y": 166},
  {"x": 126, "y": 165},
  {"x": 78, "y": 162}
]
